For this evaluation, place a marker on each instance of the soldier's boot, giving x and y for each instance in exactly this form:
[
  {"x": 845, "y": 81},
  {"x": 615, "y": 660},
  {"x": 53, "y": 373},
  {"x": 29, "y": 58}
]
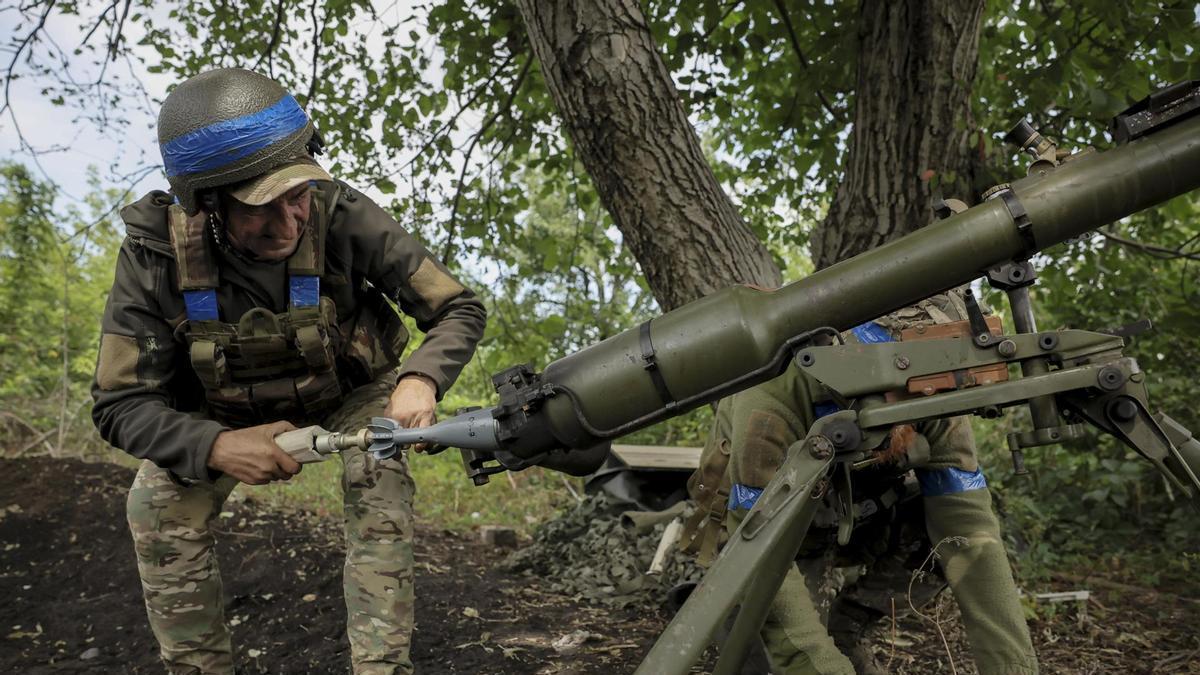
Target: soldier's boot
[
  {"x": 378, "y": 577},
  {"x": 981, "y": 581},
  {"x": 178, "y": 566}
]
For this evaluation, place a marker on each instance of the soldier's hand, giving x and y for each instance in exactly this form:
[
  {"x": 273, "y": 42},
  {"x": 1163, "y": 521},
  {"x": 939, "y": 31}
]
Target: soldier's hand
[
  {"x": 412, "y": 404},
  {"x": 251, "y": 456}
]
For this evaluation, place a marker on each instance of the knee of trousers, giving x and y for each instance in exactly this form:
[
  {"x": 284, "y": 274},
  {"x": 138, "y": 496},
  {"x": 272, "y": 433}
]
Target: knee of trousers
[
  {"x": 378, "y": 499},
  {"x": 164, "y": 516}
]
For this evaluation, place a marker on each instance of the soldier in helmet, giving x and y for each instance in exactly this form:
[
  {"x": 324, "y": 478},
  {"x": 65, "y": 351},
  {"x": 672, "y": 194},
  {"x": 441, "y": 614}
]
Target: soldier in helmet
[
  {"x": 751, "y": 434},
  {"x": 253, "y": 296}
]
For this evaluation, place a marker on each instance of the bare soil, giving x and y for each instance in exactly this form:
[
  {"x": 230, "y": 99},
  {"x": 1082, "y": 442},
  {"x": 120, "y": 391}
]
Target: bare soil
[
  {"x": 70, "y": 600},
  {"x": 69, "y": 583}
]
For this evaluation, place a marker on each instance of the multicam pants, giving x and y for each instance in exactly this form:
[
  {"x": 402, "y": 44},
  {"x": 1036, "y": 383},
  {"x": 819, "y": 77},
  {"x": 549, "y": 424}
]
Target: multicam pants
[{"x": 171, "y": 526}]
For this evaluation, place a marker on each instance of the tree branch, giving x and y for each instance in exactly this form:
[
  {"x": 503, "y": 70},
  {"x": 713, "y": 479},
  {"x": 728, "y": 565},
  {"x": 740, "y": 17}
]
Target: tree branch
[
  {"x": 12, "y": 64},
  {"x": 99, "y": 22},
  {"x": 485, "y": 87},
  {"x": 1160, "y": 252},
  {"x": 458, "y": 192},
  {"x": 269, "y": 52},
  {"x": 787, "y": 22},
  {"x": 316, "y": 52}
]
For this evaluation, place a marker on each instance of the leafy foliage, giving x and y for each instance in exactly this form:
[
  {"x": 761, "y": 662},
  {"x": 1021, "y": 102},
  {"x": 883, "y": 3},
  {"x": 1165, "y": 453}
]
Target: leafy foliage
[
  {"x": 444, "y": 109},
  {"x": 57, "y": 268}
]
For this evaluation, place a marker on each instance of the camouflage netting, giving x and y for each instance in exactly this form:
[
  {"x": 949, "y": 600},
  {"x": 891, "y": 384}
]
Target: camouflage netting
[{"x": 587, "y": 552}]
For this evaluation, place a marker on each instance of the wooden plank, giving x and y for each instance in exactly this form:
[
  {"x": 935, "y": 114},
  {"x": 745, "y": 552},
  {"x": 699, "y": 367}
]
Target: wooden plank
[{"x": 658, "y": 457}]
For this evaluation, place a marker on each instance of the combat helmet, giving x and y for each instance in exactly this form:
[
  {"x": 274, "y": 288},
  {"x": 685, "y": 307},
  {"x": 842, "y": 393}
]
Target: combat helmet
[{"x": 226, "y": 126}]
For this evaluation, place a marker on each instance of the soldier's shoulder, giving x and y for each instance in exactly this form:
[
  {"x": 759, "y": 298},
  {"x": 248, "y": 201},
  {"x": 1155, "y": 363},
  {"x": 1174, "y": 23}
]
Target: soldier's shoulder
[
  {"x": 146, "y": 222},
  {"x": 942, "y": 308},
  {"x": 350, "y": 205}
]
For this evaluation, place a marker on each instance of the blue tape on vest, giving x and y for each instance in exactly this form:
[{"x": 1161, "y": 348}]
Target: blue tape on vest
[
  {"x": 948, "y": 481},
  {"x": 305, "y": 290},
  {"x": 201, "y": 305},
  {"x": 871, "y": 333},
  {"x": 743, "y": 497},
  {"x": 216, "y": 145}
]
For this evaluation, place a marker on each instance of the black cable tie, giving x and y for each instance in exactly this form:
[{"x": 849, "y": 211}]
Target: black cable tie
[{"x": 650, "y": 365}]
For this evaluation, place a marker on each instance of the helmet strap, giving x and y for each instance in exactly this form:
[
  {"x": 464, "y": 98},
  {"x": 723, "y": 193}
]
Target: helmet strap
[
  {"x": 316, "y": 144},
  {"x": 210, "y": 201}
]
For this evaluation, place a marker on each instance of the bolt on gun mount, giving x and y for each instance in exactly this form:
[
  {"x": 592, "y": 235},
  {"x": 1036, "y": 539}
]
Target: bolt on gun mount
[{"x": 564, "y": 417}]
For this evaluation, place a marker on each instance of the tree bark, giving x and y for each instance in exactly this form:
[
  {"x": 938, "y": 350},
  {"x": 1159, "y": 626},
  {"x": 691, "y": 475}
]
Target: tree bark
[
  {"x": 916, "y": 68},
  {"x": 628, "y": 126}
]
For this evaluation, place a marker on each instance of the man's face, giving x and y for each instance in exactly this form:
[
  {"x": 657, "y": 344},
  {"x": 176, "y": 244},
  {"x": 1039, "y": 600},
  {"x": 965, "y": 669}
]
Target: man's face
[{"x": 271, "y": 231}]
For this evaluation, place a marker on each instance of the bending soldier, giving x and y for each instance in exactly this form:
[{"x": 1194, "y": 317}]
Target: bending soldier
[
  {"x": 252, "y": 297},
  {"x": 750, "y": 438}
]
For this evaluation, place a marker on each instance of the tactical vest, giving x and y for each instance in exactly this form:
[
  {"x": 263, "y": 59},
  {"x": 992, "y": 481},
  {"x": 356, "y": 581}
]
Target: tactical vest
[{"x": 295, "y": 365}]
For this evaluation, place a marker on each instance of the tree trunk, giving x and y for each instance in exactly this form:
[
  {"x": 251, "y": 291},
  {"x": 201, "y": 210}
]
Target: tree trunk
[
  {"x": 917, "y": 62},
  {"x": 628, "y": 125}
]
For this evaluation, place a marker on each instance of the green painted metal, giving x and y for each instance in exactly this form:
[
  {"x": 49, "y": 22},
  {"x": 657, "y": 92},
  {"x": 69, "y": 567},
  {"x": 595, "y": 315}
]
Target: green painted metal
[
  {"x": 749, "y": 570},
  {"x": 740, "y": 336},
  {"x": 856, "y": 369},
  {"x": 1002, "y": 394}
]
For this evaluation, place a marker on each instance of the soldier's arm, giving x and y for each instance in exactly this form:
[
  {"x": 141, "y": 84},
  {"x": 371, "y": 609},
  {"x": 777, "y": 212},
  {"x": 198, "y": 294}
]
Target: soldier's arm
[
  {"x": 133, "y": 406},
  {"x": 764, "y": 422},
  {"x": 449, "y": 314}
]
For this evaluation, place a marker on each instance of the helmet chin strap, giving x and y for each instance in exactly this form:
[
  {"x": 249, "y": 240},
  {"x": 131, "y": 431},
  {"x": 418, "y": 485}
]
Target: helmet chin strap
[
  {"x": 316, "y": 144},
  {"x": 210, "y": 202}
]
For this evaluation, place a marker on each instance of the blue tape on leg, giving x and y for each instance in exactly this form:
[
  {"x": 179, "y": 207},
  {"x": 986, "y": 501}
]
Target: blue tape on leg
[
  {"x": 948, "y": 481},
  {"x": 743, "y": 497}
]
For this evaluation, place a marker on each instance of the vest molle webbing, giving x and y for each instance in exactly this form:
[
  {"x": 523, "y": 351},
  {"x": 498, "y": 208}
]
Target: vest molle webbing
[{"x": 268, "y": 366}]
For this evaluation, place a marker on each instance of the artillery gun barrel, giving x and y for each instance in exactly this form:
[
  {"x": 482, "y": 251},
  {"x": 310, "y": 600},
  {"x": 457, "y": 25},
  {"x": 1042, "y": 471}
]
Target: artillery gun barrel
[{"x": 738, "y": 337}]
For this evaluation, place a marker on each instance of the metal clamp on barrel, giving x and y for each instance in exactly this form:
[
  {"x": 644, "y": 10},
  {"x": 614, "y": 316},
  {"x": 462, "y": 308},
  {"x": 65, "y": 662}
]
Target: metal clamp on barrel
[
  {"x": 650, "y": 364},
  {"x": 1018, "y": 213}
]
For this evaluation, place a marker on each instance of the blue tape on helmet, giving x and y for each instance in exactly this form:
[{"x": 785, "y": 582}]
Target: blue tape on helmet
[
  {"x": 743, "y": 497},
  {"x": 948, "y": 481},
  {"x": 217, "y": 145},
  {"x": 871, "y": 333},
  {"x": 201, "y": 305},
  {"x": 305, "y": 290}
]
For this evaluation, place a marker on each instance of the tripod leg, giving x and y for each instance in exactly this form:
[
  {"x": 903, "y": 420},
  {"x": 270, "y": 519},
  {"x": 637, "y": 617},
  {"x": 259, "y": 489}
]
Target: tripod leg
[{"x": 748, "y": 571}]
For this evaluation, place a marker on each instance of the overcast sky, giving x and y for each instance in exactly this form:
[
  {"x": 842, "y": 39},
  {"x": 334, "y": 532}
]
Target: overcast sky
[{"x": 66, "y": 144}]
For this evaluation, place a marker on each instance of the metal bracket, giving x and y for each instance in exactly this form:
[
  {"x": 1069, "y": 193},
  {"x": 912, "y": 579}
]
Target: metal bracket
[
  {"x": 1013, "y": 275},
  {"x": 1163, "y": 107}
]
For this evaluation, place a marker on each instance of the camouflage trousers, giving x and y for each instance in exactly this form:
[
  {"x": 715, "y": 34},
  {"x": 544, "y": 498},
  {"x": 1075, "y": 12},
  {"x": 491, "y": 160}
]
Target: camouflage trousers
[{"x": 172, "y": 534}]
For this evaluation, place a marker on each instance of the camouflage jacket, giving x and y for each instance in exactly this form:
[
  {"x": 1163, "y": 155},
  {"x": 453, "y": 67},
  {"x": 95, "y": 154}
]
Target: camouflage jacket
[{"x": 148, "y": 399}]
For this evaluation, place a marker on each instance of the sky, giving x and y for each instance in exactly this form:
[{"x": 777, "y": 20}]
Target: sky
[{"x": 69, "y": 147}]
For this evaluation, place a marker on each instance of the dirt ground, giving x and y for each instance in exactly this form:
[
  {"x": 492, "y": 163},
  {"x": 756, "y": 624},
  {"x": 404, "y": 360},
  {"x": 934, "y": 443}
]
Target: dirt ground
[{"x": 72, "y": 602}]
